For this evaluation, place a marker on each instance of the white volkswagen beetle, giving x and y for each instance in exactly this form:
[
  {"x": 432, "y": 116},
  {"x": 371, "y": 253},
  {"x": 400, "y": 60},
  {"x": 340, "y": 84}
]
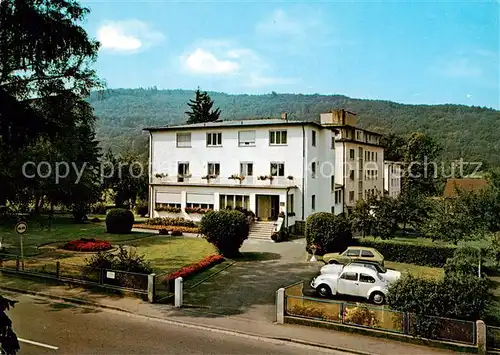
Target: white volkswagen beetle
[
  {"x": 353, "y": 280},
  {"x": 387, "y": 274}
]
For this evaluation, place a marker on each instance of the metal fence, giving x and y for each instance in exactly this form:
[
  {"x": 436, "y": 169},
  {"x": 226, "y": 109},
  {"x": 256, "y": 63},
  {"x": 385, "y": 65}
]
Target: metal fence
[
  {"x": 493, "y": 338},
  {"x": 74, "y": 273},
  {"x": 380, "y": 318}
]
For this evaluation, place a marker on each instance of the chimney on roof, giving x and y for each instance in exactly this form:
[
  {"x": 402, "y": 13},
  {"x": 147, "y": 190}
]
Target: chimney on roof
[{"x": 284, "y": 116}]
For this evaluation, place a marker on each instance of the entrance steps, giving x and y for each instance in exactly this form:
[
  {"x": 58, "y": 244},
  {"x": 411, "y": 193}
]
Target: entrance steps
[{"x": 261, "y": 230}]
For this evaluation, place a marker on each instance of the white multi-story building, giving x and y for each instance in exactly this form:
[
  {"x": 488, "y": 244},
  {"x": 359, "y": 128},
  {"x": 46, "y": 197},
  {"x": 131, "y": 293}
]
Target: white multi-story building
[
  {"x": 392, "y": 178},
  {"x": 359, "y": 162},
  {"x": 268, "y": 166}
]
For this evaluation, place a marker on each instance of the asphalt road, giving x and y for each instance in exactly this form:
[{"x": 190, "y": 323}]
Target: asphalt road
[{"x": 47, "y": 327}]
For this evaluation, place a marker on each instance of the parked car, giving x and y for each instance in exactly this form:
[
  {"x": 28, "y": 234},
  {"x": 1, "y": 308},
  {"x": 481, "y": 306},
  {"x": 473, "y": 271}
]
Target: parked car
[
  {"x": 388, "y": 274},
  {"x": 354, "y": 280},
  {"x": 352, "y": 254}
]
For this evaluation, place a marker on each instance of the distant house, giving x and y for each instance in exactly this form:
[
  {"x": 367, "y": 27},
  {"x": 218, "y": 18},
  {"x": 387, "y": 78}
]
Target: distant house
[{"x": 452, "y": 185}]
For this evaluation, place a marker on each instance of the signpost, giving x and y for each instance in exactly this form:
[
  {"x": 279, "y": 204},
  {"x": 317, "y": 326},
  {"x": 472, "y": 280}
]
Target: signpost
[{"x": 21, "y": 228}]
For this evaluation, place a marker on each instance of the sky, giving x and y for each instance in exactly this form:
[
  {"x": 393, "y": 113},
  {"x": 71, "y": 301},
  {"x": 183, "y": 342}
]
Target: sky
[{"x": 428, "y": 52}]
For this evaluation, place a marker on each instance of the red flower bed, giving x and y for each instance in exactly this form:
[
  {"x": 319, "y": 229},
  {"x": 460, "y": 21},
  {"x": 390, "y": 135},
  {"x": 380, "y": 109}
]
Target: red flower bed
[
  {"x": 192, "y": 269},
  {"x": 87, "y": 245}
]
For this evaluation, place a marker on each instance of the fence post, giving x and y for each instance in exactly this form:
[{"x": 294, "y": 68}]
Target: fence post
[
  {"x": 178, "y": 292},
  {"x": 58, "y": 269},
  {"x": 406, "y": 323},
  {"x": 17, "y": 262},
  {"x": 481, "y": 337},
  {"x": 151, "y": 288},
  {"x": 280, "y": 306}
]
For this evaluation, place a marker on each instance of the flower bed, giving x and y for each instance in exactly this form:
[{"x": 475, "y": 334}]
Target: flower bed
[
  {"x": 87, "y": 245},
  {"x": 195, "y": 268},
  {"x": 171, "y": 221},
  {"x": 169, "y": 228}
]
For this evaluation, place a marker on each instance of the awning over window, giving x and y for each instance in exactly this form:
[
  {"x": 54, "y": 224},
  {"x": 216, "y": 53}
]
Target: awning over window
[
  {"x": 168, "y": 197},
  {"x": 200, "y": 198}
]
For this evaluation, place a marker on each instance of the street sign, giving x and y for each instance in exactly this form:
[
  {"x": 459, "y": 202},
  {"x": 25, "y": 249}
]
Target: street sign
[{"x": 21, "y": 227}]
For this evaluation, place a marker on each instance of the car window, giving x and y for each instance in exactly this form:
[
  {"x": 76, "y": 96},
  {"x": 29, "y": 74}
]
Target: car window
[
  {"x": 351, "y": 276},
  {"x": 352, "y": 252},
  {"x": 367, "y": 254},
  {"x": 366, "y": 279}
]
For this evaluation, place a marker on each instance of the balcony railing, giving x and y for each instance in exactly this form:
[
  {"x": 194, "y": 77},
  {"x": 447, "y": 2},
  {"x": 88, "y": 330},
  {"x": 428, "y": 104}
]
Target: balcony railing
[{"x": 277, "y": 181}]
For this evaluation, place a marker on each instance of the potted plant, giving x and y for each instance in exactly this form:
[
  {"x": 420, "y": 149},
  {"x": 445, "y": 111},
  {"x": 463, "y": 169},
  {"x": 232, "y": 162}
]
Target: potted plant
[
  {"x": 290, "y": 177},
  {"x": 237, "y": 177}
]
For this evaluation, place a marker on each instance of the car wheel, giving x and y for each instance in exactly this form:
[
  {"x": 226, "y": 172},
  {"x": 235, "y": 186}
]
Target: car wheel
[
  {"x": 324, "y": 290},
  {"x": 333, "y": 262},
  {"x": 378, "y": 298}
]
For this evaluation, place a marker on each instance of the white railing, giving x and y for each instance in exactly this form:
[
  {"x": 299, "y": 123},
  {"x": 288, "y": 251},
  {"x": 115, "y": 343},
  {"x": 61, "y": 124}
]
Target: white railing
[{"x": 247, "y": 181}]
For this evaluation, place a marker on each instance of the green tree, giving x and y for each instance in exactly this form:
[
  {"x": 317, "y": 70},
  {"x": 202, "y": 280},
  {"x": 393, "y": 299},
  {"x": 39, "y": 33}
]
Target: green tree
[
  {"x": 201, "y": 109},
  {"x": 394, "y": 147},
  {"x": 46, "y": 62},
  {"x": 412, "y": 209},
  {"x": 421, "y": 174},
  {"x": 362, "y": 218},
  {"x": 329, "y": 232}
]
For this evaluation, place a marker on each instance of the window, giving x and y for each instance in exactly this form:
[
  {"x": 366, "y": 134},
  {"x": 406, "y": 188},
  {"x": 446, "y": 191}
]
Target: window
[
  {"x": 232, "y": 201},
  {"x": 213, "y": 169},
  {"x": 183, "y": 140},
  {"x": 277, "y": 137},
  {"x": 372, "y": 158},
  {"x": 351, "y": 276},
  {"x": 332, "y": 182},
  {"x": 214, "y": 139},
  {"x": 277, "y": 169},
  {"x": 313, "y": 138},
  {"x": 313, "y": 170},
  {"x": 367, "y": 254},
  {"x": 182, "y": 171},
  {"x": 246, "y": 138},
  {"x": 246, "y": 169},
  {"x": 353, "y": 252},
  {"x": 338, "y": 197},
  {"x": 290, "y": 204},
  {"x": 351, "y": 154},
  {"x": 313, "y": 202},
  {"x": 351, "y": 196},
  {"x": 376, "y": 156},
  {"x": 366, "y": 278},
  {"x": 351, "y": 175}
]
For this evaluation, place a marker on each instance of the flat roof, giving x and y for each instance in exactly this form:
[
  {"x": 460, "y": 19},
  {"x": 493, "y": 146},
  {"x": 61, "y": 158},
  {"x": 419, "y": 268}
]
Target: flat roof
[
  {"x": 236, "y": 123},
  {"x": 349, "y": 126}
]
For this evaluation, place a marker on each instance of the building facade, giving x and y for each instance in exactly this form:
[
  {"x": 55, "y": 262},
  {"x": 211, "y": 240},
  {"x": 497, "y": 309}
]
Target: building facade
[
  {"x": 392, "y": 178},
  {"x": 268, "y": 166},
  {"x": 359, "y": 157}
]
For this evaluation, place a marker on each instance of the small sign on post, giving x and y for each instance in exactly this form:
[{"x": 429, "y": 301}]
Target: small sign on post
[
  {"x": 110, "y": 275},
  {"x": 21, "y": 228}
]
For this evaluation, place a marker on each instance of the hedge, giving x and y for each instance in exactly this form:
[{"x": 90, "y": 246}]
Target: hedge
[
  {"x": 418, "y": 254},
  {"x": 168, "y": 228}
]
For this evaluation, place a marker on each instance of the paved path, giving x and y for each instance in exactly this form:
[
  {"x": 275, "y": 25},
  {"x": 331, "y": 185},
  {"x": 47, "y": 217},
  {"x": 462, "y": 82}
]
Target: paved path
[{"x": 55, "y": 328}]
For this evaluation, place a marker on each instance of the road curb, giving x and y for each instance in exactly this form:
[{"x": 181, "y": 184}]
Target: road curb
[{"x": 183, "y": 323}]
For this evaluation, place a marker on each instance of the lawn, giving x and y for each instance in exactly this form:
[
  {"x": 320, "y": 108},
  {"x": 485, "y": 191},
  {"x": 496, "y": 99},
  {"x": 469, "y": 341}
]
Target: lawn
[
  {"x": 416, "y": 270},
  {"x": 165, "y": 253},
  {"x": 63, "y": 229}
]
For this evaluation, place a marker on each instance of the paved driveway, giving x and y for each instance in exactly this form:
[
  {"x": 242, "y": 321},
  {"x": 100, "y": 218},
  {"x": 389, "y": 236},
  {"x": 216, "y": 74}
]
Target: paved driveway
[{"x": 249, "y": 286}]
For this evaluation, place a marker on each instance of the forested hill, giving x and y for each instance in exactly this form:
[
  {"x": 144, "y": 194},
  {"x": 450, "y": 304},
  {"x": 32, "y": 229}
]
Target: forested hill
[{"x": 471, "y": 132}]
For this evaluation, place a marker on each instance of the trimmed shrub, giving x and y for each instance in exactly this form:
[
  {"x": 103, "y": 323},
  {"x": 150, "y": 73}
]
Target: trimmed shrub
[
  {"x": 281, "y": 236},
  {"x": 95, "y": 220},
  {"x": 169, "y": 221},
  {"x": 98, "y": 208},
  {"x": 226, "y": 230},
  {"x": 330, "y": 233},
  {"x": 168, "y": 228},
  {"x": 119, "y": 221},
  {"x": 141, "y": 209},
  {"x": 176, "y": 233},
  {"x": 163, "y": 231},
  {"x": 192, "y": 269},
  {"x": 418, "y": 254}
]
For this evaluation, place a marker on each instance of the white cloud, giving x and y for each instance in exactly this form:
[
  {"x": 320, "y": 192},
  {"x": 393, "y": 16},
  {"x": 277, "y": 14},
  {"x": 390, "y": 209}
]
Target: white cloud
[
  {"x": 127, "y": 36},
  {"x": 204, "y": 62},
  {"x": 468, "y": 96},
  {"x": 228, "y": 61}
]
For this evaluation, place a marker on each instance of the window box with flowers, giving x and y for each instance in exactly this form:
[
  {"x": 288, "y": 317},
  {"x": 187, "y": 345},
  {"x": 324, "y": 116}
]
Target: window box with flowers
[
  {"x": 266, "y": 177},
  {"x": 209, "y": 177},
  {"x": 198, "y": 210},
  {"x": 240, "y": 178},
  {"x": 161, "y": 176},
  {"x": 164, "y": 207}
]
